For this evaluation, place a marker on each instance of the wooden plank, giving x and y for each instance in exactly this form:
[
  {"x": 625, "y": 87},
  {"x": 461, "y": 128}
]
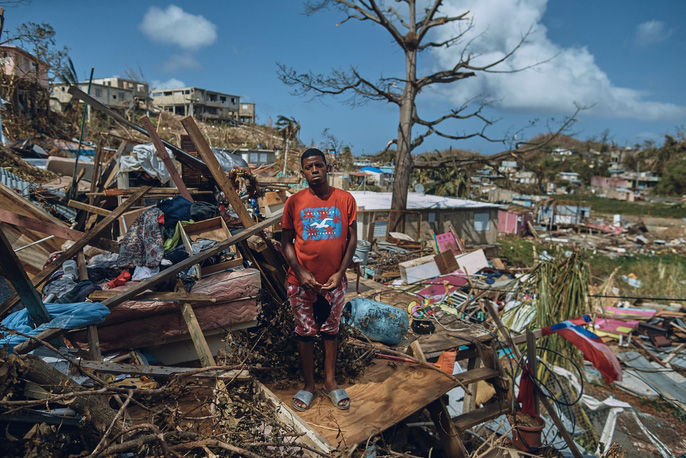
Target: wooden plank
[
  {"x": 46, "y": 336},
  {"x": 89, "y": 208},
  {"x": 161, "y": 371},
  {"x": 76, "y": 247},
  {"x": 216, "y": 170},
  {"x": 476, "y": 375},
  {"x": 197, "y": 336},
  {"x": 162, "y": 152},
  {"x": 478, "y": 416},
  {"x": 168, "y": 296},
  {"x": 16, "y": 275},
  {"x": 469, "y": 403},
  {"x": 188, "y": 262},
  {"x": 379, "y": 398},
  {"x": 60, "y": 231},
  {"x": 94, "y": 344},
  {"x": 450, "y": 439},
  {"x": 286, "y": 416}
]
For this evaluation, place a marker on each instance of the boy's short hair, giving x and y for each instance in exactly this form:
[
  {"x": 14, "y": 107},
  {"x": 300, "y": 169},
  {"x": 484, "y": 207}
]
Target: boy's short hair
[{"x": 312, "y": 152}]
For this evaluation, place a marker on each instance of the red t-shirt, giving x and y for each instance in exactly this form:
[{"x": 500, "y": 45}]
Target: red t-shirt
[{"x": 321, "y": 230}]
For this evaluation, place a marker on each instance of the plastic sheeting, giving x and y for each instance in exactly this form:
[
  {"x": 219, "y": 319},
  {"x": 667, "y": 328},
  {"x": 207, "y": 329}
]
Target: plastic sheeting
[
  {"x": 65, "y": 316},
  {"x": 144, "y": 157}
]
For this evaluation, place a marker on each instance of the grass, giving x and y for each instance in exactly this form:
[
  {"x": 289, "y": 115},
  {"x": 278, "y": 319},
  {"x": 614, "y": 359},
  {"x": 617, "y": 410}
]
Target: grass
[
  {"x": 662, "y": 275},
  {"x": 612, "y": 206}
]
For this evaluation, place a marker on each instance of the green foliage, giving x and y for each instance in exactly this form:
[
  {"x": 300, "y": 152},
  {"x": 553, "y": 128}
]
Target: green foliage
[
  {"x": 516, "y": 252},
  {"x": 445, "y": 181},
  {"x": 39, "y": 40}
]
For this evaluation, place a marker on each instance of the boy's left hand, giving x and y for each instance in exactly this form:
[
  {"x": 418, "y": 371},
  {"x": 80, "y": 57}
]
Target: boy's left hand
[{"x": 333, "y": 282}]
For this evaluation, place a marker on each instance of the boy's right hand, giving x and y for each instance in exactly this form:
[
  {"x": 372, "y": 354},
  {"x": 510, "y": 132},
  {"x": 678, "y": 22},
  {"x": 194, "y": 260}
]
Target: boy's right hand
[{"x": 307, "y": 280}]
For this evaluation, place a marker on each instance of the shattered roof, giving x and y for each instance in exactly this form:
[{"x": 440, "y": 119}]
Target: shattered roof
[{"x": 382, "y": 201}]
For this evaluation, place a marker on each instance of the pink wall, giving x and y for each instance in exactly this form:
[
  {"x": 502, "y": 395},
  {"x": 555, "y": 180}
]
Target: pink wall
[{"x": 512, "y": 223}]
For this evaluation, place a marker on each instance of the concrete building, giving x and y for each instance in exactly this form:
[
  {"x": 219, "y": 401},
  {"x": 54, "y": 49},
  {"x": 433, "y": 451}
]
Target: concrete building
[
  {"x": 246, "y": 113},
  {"x": 119, "y": 94},
  {"x": 199, "y": 103},
  {"x": 17, "y": 63}
]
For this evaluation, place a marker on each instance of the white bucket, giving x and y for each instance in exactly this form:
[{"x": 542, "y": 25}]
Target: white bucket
[{"x": 362, "y": 252}]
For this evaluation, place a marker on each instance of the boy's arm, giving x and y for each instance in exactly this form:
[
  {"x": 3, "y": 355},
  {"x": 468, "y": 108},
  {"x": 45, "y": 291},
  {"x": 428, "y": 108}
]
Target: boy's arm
[{"x": 305, "y": 277}]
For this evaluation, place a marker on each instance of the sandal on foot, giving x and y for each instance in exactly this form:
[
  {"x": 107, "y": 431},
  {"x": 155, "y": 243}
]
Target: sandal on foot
[
  {"x": 305, "y": 397},
  {"x": 337, "y": 396}
]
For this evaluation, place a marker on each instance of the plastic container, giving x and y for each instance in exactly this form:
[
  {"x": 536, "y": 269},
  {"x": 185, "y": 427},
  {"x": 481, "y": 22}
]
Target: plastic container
[
  {"x": 362, "y": 252},
  {"x": 70, "y": 269},
  {"x": 527, "y": 438},
  {"x": 378, "y": 321}
]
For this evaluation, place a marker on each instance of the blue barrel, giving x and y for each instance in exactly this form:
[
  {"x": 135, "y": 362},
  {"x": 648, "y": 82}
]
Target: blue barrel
[{"x": 378, "y": 321}]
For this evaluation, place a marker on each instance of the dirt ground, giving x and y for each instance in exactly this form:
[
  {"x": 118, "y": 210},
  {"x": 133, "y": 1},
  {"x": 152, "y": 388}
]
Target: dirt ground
[{"x": 668, "y": 228}]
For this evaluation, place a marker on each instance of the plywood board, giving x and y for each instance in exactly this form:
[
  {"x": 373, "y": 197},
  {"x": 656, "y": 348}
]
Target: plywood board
[{"x": 381, "y": 398}]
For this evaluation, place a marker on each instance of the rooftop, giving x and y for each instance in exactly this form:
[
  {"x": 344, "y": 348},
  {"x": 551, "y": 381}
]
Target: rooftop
[{"x": 415, "y": 201}]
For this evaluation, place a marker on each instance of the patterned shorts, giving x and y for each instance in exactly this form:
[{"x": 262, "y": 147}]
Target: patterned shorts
[{"x": 301, "y": 300}]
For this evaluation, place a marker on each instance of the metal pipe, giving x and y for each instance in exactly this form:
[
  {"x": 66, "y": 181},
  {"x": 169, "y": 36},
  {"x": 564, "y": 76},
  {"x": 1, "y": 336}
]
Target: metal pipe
[{"x": 35, "y": 243}]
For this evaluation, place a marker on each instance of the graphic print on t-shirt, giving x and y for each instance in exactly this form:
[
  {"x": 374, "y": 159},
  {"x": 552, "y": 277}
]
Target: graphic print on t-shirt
[{"x": 321, "y": 223}]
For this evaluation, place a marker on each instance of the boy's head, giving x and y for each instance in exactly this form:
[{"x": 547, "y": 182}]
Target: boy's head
[{"x": 311, "y": 152}]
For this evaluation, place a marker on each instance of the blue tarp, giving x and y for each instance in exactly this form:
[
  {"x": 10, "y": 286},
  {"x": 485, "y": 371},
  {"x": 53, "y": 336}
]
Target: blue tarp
[
  {"x": 371, "y": 169},
  {"x": 65, "y": 316}
]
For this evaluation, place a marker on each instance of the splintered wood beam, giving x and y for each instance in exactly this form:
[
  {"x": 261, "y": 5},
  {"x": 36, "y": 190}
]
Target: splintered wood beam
[
  {"x": 171, "y": 271},
  {"x": 162, "y": 371},
  {"x": 162, "y": 152},
  {"x": 216, "y": 170},
  {"x": 168, "y": 296},
  {"x": 62, "y": 232},
  {"x": 12, "y": 270},
  {"x": 179, "y": 154},
  {"x": 89, "y": 208},
  {"x": 77, "y": 246}
]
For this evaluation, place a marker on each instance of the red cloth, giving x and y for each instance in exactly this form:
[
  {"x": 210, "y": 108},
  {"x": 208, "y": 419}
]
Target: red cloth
[
  {"x": 321, "y": 230},
  {"x": 526, "y": 393},
  {"x": 120, "y": 280}
]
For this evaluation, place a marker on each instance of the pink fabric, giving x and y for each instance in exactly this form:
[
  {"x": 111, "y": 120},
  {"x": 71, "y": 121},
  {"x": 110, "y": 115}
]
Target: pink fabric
[{"x": 301, "y": 300}]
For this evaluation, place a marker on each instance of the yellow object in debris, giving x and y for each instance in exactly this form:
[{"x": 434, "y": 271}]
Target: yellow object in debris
[{"x": 136, "y": 382}]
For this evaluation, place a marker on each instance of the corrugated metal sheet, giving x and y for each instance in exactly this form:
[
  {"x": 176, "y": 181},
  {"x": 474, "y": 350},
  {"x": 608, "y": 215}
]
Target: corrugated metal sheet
[{"x": 23, "y": 187}]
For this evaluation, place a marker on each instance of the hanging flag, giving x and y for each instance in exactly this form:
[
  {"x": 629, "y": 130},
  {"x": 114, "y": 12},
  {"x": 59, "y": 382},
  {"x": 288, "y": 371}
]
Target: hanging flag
[{"x": 593, "y": 349}]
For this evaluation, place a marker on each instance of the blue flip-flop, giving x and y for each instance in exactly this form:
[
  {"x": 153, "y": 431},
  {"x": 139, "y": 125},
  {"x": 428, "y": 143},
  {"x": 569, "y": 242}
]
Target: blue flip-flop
[
  {"x": 337, "y": 396},
  {"x": 305, "y": 397}
]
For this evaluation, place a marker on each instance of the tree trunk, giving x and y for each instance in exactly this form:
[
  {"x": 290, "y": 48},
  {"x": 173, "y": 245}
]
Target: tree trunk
[
  {"x": 403, "y": 161},
  {"x": 94, "y": 408}
]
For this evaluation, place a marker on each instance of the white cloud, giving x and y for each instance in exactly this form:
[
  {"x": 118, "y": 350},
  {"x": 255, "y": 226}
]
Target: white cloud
[
  {"x": 175, "y": 26},
  {"x": 172, "y": 83},
  {"x": 652, "y": 32},
  {"x": 570, "y": 76},
  {"x": 180, "y": 62}
]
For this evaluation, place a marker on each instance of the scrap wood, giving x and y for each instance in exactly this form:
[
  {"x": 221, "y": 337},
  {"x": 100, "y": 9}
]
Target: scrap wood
[
  {"x": 546, "y": 404},
  {"x": 153, "y": 192},
  {"x": 162, "y": 153},
  {"x": 59, "y": 231},
  {"x": 223, "y": 372},
  {"x": 179, "y": 154},
  {"x": 169, "y": 296},
  {"x": 76, "y": 247}
]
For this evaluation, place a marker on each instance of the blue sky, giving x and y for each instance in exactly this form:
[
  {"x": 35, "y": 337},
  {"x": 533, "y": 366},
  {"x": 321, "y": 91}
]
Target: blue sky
[{"x": 625, "y": 59}]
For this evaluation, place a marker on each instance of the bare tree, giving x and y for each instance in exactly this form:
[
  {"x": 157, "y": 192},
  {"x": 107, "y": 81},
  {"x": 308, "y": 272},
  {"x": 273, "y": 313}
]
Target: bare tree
[{"x": 409, "y": 28}]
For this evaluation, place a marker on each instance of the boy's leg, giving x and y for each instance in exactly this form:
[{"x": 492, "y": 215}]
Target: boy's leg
[
  {"x": 329, "y": 333},
  {"x": 301, "y": 303}
]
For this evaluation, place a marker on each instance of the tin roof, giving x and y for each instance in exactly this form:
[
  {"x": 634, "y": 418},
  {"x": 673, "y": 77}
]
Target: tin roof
[{"x": 415, "y": 201}]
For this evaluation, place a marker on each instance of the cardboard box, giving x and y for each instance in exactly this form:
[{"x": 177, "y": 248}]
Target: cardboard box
[
  {"x": 272, "y": 202},
  {"x": 126, "y": 219},
  {"x": 210, "y": 229}
]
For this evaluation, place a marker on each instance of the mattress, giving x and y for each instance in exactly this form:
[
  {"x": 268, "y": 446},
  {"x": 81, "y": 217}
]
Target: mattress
[{"x": 134, "y": 324}]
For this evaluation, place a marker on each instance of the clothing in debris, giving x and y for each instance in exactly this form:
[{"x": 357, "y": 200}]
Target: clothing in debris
[
  {"x": 201, "y": 211},
  {"x": 65, "y": 316},
  {"x": 143, "y": 244},
  {"x": 59, "y": 286},
  {"x": 79, "y": 293},
  {"x": 175, "y": 209},
  {"x": 120, "y": 280},
  {"x": 141, "y": 273}
]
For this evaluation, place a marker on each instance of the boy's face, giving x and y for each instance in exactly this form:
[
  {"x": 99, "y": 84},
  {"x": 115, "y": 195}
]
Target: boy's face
[{"x": 314, "y": 170}]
